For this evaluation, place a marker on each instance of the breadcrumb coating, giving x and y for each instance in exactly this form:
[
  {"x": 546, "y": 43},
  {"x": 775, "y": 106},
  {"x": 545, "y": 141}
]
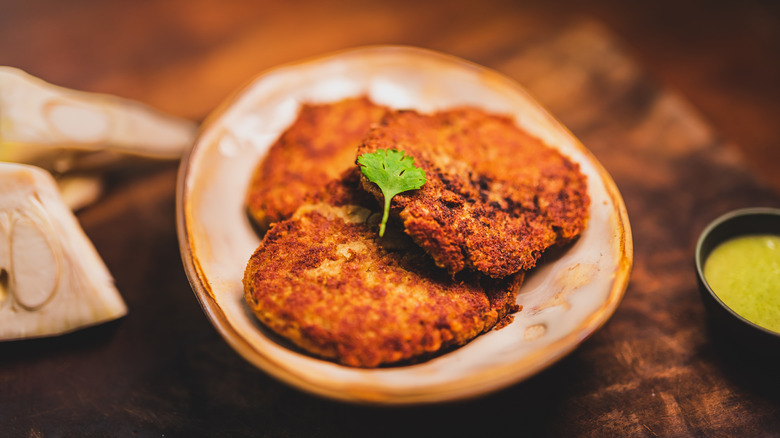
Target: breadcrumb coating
[
  {"x": 496, "y": 197},
  {"x": 316, "y": 148},
  {"x": 326, "y": 281}
]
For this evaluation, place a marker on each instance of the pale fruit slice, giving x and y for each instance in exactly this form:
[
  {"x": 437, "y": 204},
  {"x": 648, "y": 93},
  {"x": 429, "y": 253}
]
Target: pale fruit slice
[
  {"x": 79, "y": 191},
  {"x": 39, "y": 121},
  {"x": 52, "y": 280}
]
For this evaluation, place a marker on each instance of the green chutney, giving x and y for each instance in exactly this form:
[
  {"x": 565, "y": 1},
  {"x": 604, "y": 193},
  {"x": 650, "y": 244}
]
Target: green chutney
[{"x": 744, "y": 272}]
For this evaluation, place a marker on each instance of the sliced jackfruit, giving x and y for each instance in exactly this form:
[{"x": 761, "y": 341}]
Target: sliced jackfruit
[
  {"x": 52, "y": 280},
  {"x": 53, "y": 127},
  {"x": 78, "y": 135}
]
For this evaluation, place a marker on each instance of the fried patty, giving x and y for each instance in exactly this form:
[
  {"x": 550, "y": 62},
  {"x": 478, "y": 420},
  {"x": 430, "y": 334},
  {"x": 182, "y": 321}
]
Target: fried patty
[
  {"x": 326, "y": 281},
  {"x": 496, "y": 197},
  {"x": 316, "y": 148}
]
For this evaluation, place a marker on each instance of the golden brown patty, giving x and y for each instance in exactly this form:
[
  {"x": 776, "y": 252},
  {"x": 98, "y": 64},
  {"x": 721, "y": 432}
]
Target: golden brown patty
[
  {"x": 326, "y": 281},
  {"x": 315, "y": 149},
  {"x": 496, "y": 197}
]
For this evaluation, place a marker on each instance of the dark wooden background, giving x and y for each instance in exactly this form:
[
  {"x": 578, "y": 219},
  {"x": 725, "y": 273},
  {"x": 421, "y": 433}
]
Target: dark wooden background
[{"x": 678, "y": 99}]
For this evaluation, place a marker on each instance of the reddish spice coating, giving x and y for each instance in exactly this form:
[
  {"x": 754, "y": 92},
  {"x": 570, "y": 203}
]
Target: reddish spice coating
[
  {"x": 325, "y": 280},
  {"x": 316, "y": 148},
  {"x": 496, "y": 197}
]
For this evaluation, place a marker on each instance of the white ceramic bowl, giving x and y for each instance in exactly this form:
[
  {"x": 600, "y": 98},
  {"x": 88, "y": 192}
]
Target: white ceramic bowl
[{"x": 565, "y": 300}]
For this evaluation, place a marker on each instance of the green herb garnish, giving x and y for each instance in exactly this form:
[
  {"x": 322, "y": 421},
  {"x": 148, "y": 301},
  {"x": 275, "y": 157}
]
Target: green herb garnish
[{"x": 394, "y": 173}]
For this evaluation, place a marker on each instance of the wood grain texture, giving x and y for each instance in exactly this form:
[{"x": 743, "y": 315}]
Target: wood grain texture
[{"x": 655, "y": 369}]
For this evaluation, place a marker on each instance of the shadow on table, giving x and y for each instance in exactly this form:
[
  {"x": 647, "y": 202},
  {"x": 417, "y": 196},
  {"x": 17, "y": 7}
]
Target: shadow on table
[
  {"x": 750, "y": 367},
  {"x": 74, "y": 343}
]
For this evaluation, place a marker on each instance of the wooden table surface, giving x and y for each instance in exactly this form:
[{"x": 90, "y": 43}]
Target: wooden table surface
[{"x": 678, "y": 100}]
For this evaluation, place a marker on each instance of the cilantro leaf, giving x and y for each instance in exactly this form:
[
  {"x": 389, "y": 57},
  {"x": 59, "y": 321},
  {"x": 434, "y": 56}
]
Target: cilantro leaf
[{"x": 394, "y": 173}]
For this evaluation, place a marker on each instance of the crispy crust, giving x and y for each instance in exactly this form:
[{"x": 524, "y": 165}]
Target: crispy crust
[
  {"x": 325, "y": 280},
  {"x": 496, "y": 197},
  {"x": 316, "y": 148}
]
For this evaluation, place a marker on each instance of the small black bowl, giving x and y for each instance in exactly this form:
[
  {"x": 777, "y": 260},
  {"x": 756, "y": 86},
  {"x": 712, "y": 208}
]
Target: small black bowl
[{"x": 725, "y": 321}]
